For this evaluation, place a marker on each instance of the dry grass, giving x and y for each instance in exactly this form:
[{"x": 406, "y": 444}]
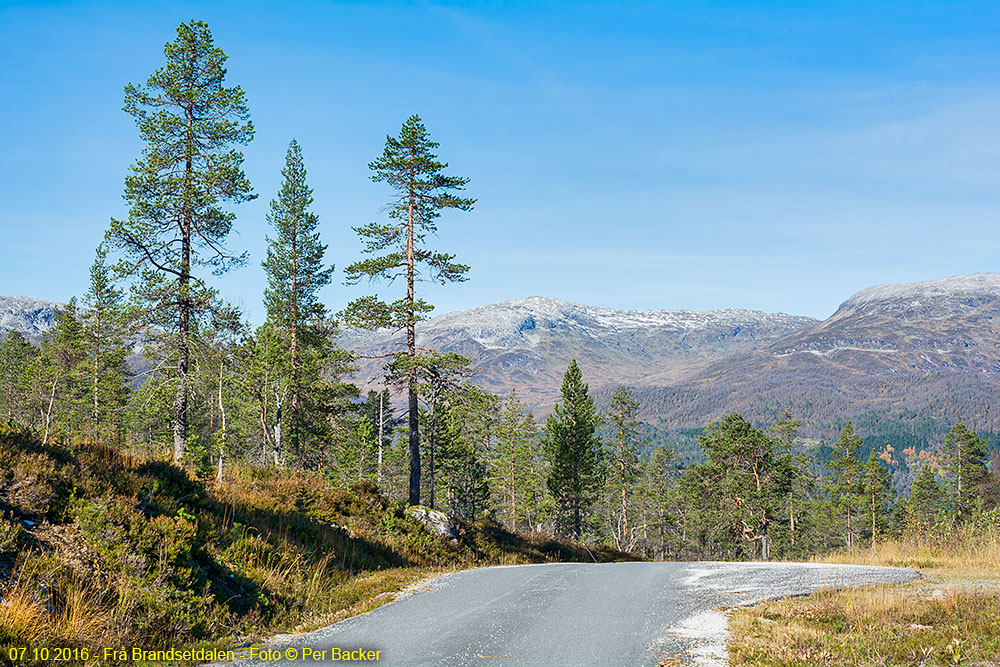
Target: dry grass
[
  {"x": 29, "y": 617},
  {"x": 970, "y": 551},
  {"x": 952, "y": 617},
  {"x": 104, "y": 549}
]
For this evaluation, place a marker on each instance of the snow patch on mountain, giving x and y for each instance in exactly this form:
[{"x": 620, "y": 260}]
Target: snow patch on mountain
[
  {"x": 31, "y": 317},
  {"x": 520, "y": 322},
  {"x": 972, "y": 285}
]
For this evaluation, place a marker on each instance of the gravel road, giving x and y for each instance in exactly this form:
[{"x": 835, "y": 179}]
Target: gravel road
[{"x": 569, "y": 614}]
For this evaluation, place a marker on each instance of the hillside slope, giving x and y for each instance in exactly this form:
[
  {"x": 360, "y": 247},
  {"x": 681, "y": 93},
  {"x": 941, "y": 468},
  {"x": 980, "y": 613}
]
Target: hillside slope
[{"x": 102, "y": 549}]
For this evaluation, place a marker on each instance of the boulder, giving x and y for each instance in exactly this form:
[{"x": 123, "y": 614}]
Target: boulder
[{"x": 437, "y": 522}]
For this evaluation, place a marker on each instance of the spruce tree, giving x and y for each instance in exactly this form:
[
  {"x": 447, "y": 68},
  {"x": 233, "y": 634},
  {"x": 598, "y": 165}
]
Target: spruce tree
[
  {"x": 422, "y": 191},
  {"x": 574, "y": 452},
  {"x": 965, "y": 464},
  {"x": 844, "y": 488},
  {"x": 295, "y": 275},
  {"x": 469, "y": 415},
  {"x": 177, "y": 224}
]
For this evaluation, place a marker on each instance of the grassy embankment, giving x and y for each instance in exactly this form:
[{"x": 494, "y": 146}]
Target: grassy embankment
[
  {"x": 951, "y": 617},
  {"x": 101, "y": 549}
]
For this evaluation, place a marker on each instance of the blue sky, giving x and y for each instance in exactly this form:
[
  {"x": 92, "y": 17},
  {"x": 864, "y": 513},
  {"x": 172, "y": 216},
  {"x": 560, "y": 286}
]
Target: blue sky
[{"x": 777, "y": 156}]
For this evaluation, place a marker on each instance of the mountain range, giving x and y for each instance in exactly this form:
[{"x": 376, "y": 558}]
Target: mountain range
[{"x": 904, "y": 361}]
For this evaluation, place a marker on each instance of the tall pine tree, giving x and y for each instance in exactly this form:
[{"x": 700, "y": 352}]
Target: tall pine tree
[
  {"x": 295, "y": 275},
  {"x": 876, "y": 484},
  {"x": 514, "y": 465},
  {"x": 177, "y": 225},
  {"x": 422, "y": 191},
  {"x": 622, "y": 416},
  {"x": 845, "y": 489},
  {"x": 105, "y": 324}
]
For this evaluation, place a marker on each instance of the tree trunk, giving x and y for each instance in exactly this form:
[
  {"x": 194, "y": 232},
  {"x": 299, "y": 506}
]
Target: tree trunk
[
  {"x": 430, "y": 450},
  {"x": 293, "y": 412},
  {"x": 97, "y": 356},
  {"x": 381, "y": 422},
  {"x": 222, "y": 414},
  {"x": 624, "y": 530},
  {"x": 850, "y": 533},
  {"x": 791, "y": 514},
  {"x": 411, "y": 350},
  {"x": 48, "y": 411},
  {"x": 873, "y": 522},
  {"x": 184, "y": 298}
]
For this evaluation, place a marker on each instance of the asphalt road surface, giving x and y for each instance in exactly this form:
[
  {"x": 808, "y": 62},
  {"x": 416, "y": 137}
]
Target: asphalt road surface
[{"x": 568, "y": 614}]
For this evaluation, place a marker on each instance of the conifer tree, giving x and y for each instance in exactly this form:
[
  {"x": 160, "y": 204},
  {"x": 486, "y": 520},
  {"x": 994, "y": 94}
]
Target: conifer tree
[
  {"x": 845, "y": 489},
  {"x": 574, "y": 452},
  {"x": 16, "y": 356},
  {"x": 422, "y": 191},
  {"x": 622, "y": 416},
  {"x": 661, "y": 511},
  {"x": 785, "y": 431},
  {"x": 738, "y": 492},
  {"x": 295, "y": 275},
  {"x": 177, "y": 224},
  {"x": 469, "y": 415},
  {"x": 965, "y": 465},
  {"x": 105, "y": 330},
  {"x": 58, "y": 375},
  {"x": 876, "y": 483},
  {"x": 926, "y": 499},
  {"x": 514, "y": 465}
]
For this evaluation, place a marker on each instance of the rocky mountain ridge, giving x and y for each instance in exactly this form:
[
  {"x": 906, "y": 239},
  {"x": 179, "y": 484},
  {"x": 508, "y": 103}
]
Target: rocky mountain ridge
[
  {"x": 926, "y": 352},
  {"x": 32, "y": 317},
  {"x": 527, "y": 343}
]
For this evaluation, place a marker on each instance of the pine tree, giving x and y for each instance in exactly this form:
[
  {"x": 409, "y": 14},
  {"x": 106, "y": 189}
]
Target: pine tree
[
  {"x": 574, "y": 452},
  {"x": 738, "y": 492},
  {"x": 105, "y": 330},
  {"x": 926, "y": 499},
  {"x": 622, "y": 416},
  {"x": 876, "y": 483},
  {"x": 295, "y": 275},
  {"x": 660, "y": 504},
  {"x": 514, "y": 469},
  {"x": 188, "y": 121},
  {"x": 408, "y": 165},
  {"x": 58, "y": 375},
  {"x": 845, "y": 487},
  {"x": 16, "y": 355},
  {"x": 966, "y": 456},
  {"x": 785, "y": 431}
]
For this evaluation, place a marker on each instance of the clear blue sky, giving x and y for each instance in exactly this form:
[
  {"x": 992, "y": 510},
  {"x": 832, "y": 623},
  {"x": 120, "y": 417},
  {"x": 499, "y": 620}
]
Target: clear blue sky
[{"x": 777, "y": 156}]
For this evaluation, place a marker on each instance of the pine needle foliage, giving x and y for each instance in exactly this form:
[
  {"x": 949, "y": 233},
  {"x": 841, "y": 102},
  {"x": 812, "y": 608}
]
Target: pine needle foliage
[
  {"x": 410, "y": 166},
  {"x": 177, "y": 194}
]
